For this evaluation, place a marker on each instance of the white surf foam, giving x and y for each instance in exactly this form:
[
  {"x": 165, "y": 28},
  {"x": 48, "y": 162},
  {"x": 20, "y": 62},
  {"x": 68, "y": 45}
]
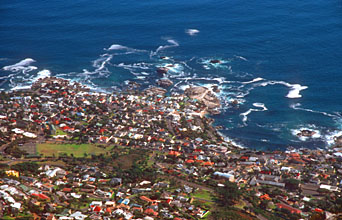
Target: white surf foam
[
  {"x": 4, "y": 77},
  {"x": 23, "y": 65},
  {"x": 184, "y": 87},
  {"x": 241, "y": 58},
  {"x": 295, "y": 89},
  {"x": 142, "y": 65},
  {"x": 43, "y": 74},
  {"x": 21, "y": 87},
  {"x": 260, "y": 105},
  {"x": 244, "y": 115},
  {"x": 192, "y": 32},
  {"x": 116, "y": 47},
  {"x": 172, "y": 43},
  {"x": 227, "y": 139},
  {"x": 297, "y": 106},
  {"x": 329, "y": 138},
  {"x": 253, "y": 81},
  {"x": 173, "y": 68},
  {"x": 121, "y": 47},
  {"x": 100, "y": 63}
]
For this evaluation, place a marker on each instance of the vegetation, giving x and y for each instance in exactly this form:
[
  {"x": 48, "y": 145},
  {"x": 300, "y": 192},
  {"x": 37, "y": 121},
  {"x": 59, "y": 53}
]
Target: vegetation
[
  {"x": 30, "y": 167},
  {"x": 228, "y": 195},
  {"x": 203, "y": 194},
  {"x": 76, "y": 150}
]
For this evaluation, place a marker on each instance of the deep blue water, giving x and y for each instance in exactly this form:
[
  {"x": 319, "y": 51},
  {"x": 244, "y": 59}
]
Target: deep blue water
[{"x": 287, "y": 42}]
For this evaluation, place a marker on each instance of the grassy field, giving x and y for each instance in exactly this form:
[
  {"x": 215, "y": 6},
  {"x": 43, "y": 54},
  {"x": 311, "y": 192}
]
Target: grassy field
[
  {"x": 202, "y": 194},
  {"x": 77, "y": 150},
  {"x": 60, "y": 132}
]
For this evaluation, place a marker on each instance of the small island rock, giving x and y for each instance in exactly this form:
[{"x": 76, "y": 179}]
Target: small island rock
[
  {"x": 162, "y": 70},
  {"x": 215, "y": 61},
  {"x": 155, "y": 90},
  {"x": 306, "y": 133},
  {"x": 164, "y": 83},
  {"x": 338, "y": 140}
]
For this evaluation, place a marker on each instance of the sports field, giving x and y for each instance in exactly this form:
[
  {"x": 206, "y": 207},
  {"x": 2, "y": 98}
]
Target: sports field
[{"x": 77, "y": 150}]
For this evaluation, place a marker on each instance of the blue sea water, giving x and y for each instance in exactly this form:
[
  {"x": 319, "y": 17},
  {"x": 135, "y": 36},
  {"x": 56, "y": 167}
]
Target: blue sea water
[{"x": 280, "y": 59}]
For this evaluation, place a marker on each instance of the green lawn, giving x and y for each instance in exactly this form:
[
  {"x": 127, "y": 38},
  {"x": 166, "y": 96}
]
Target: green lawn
[
  {"x": 77, "y": 150},
  {"x": 202, "y": 194},
  {"x": 240, "y": 205},
  {"x": 203, "y": 197},
  {"x": 60, "y": 132}
]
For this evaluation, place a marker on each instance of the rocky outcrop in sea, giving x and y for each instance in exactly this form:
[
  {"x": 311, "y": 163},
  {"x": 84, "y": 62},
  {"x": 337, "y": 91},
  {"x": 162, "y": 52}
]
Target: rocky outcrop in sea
[{"x": 206, "y": 96}]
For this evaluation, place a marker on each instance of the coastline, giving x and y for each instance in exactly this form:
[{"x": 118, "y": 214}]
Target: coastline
[
  {"x": 66, "y": 121},
  {"x": 132, "y": 86}
]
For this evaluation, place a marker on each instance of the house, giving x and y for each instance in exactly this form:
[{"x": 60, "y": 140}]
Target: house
[
  {"x": 12, "y": 173},
  {"x": 289, "y": 208},
  {"x": 228, "y": 176},
  {"x": 330, "y": 188},
  {"x": 151, "y": 212},
  {"x": 78, "y": 216}
]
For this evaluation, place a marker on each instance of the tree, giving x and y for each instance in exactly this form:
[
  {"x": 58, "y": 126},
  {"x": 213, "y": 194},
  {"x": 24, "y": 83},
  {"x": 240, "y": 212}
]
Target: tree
[
  {"x": 229, "y": 194},
  {"x": 317, "y": 216},
  {"x": 292, "y": 184},
  {"x": 31, "y": 167}
]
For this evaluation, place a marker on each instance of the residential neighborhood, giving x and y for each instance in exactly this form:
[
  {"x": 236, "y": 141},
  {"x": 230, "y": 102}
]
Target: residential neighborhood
[{"x": 68, "y": 152}]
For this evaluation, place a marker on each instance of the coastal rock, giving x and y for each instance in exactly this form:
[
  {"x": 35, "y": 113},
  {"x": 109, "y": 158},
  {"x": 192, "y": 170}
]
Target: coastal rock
[
  {"x": 155, "y": 91},
  {"x": 164, "y": 83},
  {"x": 162, "y": 70},
  {"x": 215, "y": 61},
  {"x": 133, "y": 84},
  {"x": 306, "y": 133},
  {"x": 338, "y": 140},
  {"x": 215, "y": 88},
  {"x": 206, "y": 96},
  {"x": 235, "y": 102}
]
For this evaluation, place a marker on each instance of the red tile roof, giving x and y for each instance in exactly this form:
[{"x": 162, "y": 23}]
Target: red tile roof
[{"x": 289, "y": 208}]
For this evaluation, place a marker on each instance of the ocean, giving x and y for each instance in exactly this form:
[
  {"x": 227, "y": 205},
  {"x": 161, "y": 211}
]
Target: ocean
[{"x": 281, "y": 60}]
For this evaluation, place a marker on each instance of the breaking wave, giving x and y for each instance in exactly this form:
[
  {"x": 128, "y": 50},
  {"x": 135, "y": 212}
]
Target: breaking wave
[
  {"x": 172, "y": 43},
  {"x": 258, "y": 105},
  {"x": 294, "y": 88},
  {"x": 192, "y": 32},
  {"x": 23, "y": 66},
  {"x": 120, "y": 47}
]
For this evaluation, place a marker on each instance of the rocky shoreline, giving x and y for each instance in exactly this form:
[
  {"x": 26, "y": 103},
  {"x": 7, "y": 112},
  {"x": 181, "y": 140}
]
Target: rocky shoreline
[
  {"x": 182, "y": 144},
  {"x": 206, "y": 96}
]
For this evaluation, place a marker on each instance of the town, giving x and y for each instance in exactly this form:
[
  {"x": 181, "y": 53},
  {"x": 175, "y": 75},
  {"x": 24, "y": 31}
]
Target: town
[{"x": 68, "y": 152}]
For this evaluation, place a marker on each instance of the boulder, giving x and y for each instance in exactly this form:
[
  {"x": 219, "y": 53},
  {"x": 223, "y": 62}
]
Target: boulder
[
  {"x": 306, "y": 133},
  {"x": 133, "y": 84},
  {"x": 155, "y": 91},
  {"x": 235, "y": 102},
  {"x": 164, "y": 83},
  {"x": 215, "y": 61},
  {"x": 206, "y": 96},
  {"x": 162, "y": 70},
  {"x": 215, "y": 88},
  {"x": 338, "y": 140}
]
